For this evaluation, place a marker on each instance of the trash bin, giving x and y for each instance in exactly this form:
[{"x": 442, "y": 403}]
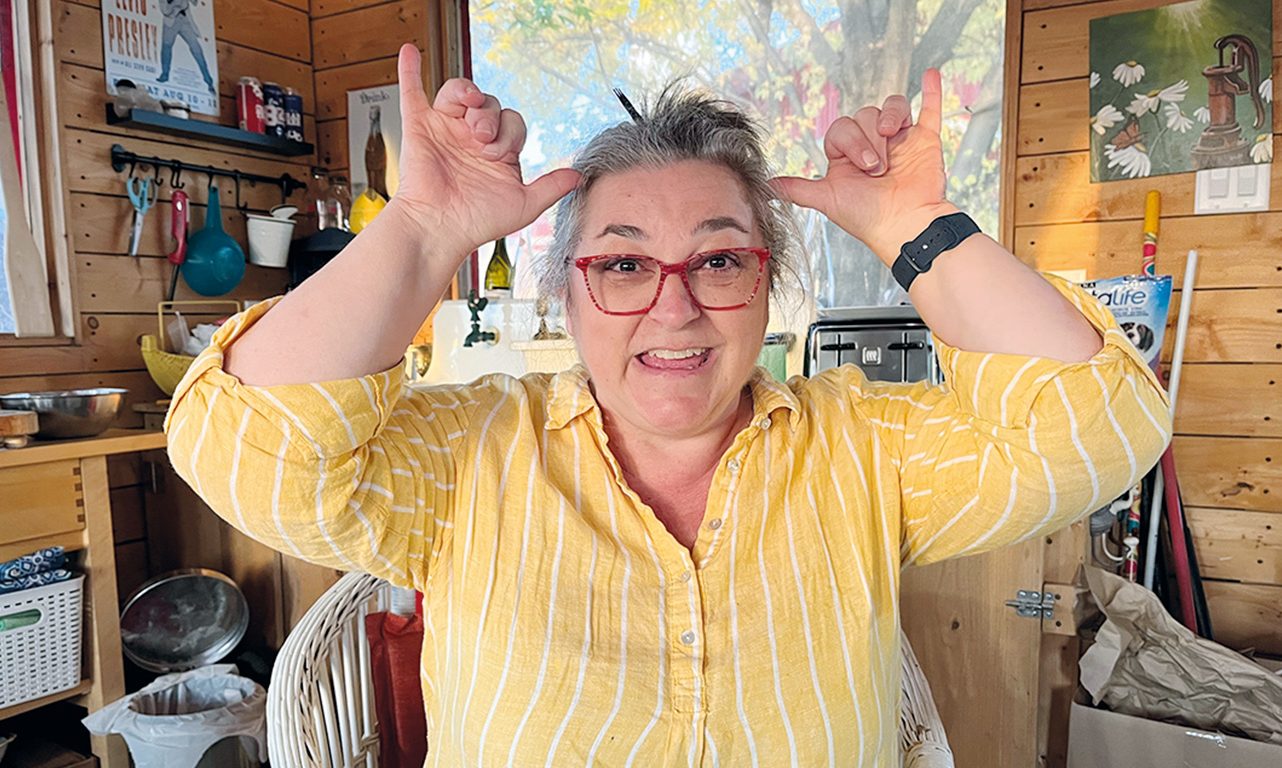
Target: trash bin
[{"x": 203, "y": 718}]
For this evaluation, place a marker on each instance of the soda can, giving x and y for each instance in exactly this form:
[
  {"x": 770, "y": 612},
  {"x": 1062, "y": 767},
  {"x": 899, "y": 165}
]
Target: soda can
[
  {"x": 249, "y": 105},
  {"x": 274, "y": 109},
  {"x": 293, "y": 115}
]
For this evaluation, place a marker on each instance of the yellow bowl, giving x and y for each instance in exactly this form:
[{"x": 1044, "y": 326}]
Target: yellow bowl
[{"x": 166, "y": 368}]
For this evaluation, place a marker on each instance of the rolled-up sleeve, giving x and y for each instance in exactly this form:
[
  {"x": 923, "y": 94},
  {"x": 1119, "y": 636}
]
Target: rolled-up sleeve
[
  {"x": 354, "y": 474},
  {"x": 1012, "y": 447}
]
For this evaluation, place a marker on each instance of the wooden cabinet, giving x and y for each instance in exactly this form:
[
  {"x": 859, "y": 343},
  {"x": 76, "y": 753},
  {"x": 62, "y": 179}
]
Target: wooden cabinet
[{"x": 58, "y": 494}]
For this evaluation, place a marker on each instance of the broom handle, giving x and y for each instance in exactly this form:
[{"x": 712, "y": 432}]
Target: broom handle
[{"x": 1177, "y": 362}]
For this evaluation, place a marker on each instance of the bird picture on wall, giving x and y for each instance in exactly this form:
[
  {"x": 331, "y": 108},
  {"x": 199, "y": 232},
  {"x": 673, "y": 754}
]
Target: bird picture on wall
[{"x": 1181, "y": 88}]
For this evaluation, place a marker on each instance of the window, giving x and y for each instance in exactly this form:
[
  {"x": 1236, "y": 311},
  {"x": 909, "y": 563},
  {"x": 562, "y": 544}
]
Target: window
[
  {"x": 796, "y": 65},
  {"x": 25, "y": 307}
]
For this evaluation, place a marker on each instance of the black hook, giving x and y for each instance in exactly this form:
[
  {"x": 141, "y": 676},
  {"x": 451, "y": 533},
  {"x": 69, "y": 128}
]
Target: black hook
[
  {"x": 133, "y": 166},
  {"x": 156, "y": 179},
  {"x": 175, "y": 175},
  {"x": 239, "y": 205}
]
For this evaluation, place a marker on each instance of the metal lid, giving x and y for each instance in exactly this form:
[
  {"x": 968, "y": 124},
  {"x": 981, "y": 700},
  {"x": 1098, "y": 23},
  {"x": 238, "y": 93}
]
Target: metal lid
[{"x": 182, "y": 620}]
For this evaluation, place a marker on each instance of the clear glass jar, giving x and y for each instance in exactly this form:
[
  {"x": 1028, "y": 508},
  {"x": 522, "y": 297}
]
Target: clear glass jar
[{"x": 335, "y": 207}]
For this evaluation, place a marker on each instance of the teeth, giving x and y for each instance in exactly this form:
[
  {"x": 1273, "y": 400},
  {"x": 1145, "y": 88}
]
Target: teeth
[{"x": 676, "y": 354}]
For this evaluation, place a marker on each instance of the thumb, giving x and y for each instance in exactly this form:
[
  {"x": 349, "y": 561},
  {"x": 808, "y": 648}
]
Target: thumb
[
  {"x": 544, "y": 191},
  {"x": 808, "y": 193}
]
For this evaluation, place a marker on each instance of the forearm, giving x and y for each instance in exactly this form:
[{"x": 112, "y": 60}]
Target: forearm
[
  {"x": 355, "y": 316},
  {"x": 980, "y": 297}
]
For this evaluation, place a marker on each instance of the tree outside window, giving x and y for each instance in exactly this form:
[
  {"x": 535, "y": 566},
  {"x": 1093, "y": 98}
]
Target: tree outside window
[{"x": 795, "y": 64}]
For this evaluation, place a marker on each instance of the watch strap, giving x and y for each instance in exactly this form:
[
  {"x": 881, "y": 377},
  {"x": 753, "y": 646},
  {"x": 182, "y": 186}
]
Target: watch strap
[{"x": 943, "y": 234}]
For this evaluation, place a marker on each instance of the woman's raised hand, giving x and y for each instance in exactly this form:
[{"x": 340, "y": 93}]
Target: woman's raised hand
[
  {"x": 460, "y": 173},
  {"x": 885, "y": 181}
]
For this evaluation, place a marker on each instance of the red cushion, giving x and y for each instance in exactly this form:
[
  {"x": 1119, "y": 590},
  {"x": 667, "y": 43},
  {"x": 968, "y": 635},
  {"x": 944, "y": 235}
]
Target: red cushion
[{"x": 396, "y": 644}]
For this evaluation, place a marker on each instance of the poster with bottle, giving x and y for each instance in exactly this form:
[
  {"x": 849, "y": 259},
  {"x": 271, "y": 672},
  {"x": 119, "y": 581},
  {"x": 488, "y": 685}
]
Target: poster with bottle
[
  {"x": 166, "y": 47},
  {"x": 374, "y": 139}
]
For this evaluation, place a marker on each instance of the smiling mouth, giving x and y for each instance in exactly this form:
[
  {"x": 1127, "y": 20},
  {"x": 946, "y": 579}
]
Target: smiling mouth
[{"x": 688, "y": 359}]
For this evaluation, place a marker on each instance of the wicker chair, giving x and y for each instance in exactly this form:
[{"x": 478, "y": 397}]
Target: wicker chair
[{"x": 320, "y": 704}]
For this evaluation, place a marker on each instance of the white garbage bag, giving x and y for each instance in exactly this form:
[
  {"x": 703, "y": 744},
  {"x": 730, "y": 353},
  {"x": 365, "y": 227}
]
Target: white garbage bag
[{"x": 174, "y": 720}]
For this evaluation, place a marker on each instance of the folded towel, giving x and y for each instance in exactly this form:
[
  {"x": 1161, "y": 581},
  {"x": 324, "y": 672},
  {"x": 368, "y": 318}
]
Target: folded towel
[
  {"x": 39, "y": 561},
  {"x": 34, "y": 580}
]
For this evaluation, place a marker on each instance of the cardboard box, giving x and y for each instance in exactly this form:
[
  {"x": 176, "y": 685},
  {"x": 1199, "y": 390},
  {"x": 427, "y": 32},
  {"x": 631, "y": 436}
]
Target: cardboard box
[{"x": 1098, "y": 738}]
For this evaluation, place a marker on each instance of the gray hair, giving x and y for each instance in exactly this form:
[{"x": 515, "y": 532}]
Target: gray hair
[{"x": 683, "y": 124}]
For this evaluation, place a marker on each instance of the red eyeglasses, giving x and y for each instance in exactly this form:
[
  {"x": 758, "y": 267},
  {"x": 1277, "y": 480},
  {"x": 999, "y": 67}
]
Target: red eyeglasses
[{"x": 629, "y": 284}]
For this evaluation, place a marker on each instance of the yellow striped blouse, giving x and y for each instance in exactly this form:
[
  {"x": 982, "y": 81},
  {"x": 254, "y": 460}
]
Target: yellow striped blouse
[{"x": 566, "y": 626}]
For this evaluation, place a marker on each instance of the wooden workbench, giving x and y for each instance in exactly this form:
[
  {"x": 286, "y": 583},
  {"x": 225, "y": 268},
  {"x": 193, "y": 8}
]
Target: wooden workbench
[{"x": 56, "y": 493}]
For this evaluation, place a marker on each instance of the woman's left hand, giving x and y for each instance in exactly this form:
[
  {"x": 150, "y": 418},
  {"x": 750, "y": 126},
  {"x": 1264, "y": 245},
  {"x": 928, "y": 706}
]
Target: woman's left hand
[{"x": 885, "y": 181}]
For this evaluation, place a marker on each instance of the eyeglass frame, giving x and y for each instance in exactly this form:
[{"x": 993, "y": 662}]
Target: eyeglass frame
[{"x": 682, "y": 268}]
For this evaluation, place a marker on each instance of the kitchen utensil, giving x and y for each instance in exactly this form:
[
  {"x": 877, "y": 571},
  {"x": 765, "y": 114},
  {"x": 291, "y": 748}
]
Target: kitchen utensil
[
  {"x": 167, "y": 368},
  {"x": 142, "y": 195},
  {"x": 269, "y": 239},
  {"x": 178, "y": 227},
  {"x": 17, "y": 427},
  {"x": 69, "y": 413},
  {"x": 182, "y": 620},
  {"x": 215, "y": 262}
]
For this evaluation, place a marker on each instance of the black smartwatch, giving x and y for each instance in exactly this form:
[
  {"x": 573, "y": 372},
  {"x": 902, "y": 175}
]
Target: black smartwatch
[{"x": 943, "y": 234}]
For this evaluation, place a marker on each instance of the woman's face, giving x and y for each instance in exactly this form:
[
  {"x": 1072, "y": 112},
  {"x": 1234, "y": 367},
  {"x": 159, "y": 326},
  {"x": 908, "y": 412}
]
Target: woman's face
[{"x": 668, "y": 214}]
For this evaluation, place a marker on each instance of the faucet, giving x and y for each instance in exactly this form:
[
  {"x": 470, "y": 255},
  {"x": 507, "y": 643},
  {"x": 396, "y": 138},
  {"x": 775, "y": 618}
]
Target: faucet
[{"x": 476, "y": 305}]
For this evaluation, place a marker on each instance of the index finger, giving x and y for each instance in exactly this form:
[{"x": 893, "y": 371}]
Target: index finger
[
  {"x": 932, "y": 98},
  {"x": 457, "y": 96}
]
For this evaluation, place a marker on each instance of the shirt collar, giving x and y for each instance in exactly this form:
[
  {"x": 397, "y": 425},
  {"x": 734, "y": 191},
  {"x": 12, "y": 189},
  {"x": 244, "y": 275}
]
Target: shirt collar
[{"x": 569, "y": 396}]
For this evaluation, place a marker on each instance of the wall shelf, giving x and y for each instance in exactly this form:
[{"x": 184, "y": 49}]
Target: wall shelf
[{"x": 199, "y": 129}]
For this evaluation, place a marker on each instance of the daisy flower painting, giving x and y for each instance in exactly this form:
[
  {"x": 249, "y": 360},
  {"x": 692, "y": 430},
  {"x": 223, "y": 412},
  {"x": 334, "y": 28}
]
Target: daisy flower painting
[{"x": 1180, "y": 88}]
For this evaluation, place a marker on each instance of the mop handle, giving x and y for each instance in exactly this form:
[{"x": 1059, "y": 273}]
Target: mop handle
[
  {"x": 1177, "y": 361},
  {"x": 1152, "y": 211}
]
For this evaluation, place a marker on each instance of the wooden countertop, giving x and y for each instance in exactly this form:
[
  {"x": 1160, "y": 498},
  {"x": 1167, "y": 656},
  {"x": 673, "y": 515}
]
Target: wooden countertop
[{"x": 110, "y": 442}]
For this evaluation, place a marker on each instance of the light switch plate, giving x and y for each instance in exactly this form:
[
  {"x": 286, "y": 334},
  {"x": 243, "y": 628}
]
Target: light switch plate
[{"x": 1231, "y": 190}]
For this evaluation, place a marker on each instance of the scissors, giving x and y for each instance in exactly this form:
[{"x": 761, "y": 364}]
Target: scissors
[{"x": 142, "y": 195}]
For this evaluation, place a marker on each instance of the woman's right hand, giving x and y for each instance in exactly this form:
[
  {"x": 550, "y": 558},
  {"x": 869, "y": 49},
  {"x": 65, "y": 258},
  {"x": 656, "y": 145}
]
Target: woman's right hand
[{"x": 460, "y": 171}]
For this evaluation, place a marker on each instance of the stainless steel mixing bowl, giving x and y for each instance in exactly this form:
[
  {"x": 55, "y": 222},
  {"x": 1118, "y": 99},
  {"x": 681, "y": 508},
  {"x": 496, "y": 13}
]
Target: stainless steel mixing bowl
[{"x": 70, "y": 412}]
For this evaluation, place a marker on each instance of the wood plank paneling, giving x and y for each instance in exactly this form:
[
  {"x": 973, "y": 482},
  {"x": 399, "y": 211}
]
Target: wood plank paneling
[
  {"x": 331, "y": 144},
  {"x": 332, "y": 85},
  {"x": 1112, "y": 248},
  {"x": 126, "y": 515},
  {"x": 121, "y": 284},
  {"x": 124, "y": 469},
  {"x": 1056, "y": 40},
  {"x": 1236, "y": 545},
  {"x": 109, "y": 343},
  {"x": 1211, "y": 398},
  {"x": 269, "y": 27},
  {"x": 322, "y": 8},
  {"x": 1058, "y": 188},
  {"x": 1246, "y": 615},
  {"x": 1230, "y": 472},
  {"x": 102, "y": 224},
  {"x": 368, "y": 34},
  {"x": 1226, "y": 326}
]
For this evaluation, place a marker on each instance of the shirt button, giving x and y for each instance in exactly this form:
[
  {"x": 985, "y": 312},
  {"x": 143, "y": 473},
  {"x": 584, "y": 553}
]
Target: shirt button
[
  {"x": 715, "y": 524},
  {"x": 733, "y": 465},
  {"x": 687, "y": 637},
  {"x": 765, "y": 423},
  {"x": 685, "y": 576}
]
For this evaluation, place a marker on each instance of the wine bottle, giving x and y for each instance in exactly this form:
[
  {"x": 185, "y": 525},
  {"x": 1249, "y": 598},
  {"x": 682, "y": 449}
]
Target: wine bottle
[{"x": 498, "y": 276}]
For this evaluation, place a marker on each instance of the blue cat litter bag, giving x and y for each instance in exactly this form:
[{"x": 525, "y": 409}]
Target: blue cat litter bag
[{"x": 1140, "y": 305}]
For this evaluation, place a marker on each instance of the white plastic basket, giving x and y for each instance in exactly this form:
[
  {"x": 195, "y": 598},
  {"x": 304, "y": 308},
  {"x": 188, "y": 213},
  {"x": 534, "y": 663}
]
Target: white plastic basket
[{"x": 42, "y": 658}]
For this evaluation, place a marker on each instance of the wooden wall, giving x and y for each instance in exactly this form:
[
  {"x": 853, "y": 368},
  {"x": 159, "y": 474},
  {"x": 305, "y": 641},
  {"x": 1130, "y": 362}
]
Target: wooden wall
[{"x": 1228, "y": 443}]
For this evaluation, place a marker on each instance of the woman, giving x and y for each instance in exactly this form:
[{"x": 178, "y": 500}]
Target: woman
[{"x": 662, "y": 556}]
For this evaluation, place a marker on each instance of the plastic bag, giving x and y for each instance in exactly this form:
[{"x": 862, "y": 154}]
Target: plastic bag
[
  {"x": 1139, "y": 304},
  {"x": 174, "y": 720}
]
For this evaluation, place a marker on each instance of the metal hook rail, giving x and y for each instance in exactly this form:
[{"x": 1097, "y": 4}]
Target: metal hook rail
[{"x": 122, "y": 158}]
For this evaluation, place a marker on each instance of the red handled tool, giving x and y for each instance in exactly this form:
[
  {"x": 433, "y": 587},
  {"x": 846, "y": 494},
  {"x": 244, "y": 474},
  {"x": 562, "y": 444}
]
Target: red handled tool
[{"x": 179, "y": 229}]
